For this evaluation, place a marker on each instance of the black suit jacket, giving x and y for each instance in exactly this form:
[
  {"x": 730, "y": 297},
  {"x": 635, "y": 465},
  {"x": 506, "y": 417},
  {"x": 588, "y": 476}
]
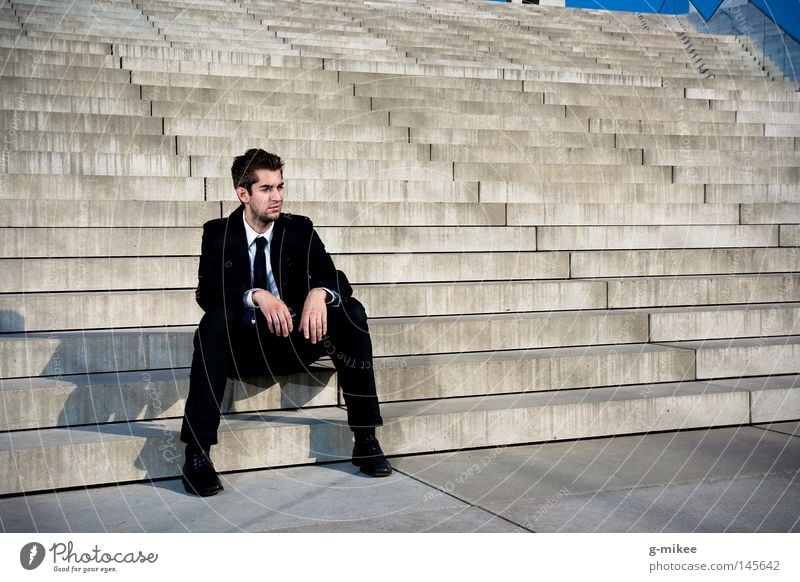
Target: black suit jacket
[{"x": 297, "y": 255}]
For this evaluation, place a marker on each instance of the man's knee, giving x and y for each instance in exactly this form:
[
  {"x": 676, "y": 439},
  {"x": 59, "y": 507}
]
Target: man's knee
[
  {"x": 355, "y": 314},
  {"x": 212, "y": 329},
  {"x": 214, "y": 321}
]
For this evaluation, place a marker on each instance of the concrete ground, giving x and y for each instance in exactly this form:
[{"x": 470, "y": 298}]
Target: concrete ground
[{"x": 736, "y": 479}]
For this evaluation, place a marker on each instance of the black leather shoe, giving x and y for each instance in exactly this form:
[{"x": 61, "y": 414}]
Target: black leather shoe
[
  {"x": 199, "y": 476},
  {"x": 368, "y": 456}
]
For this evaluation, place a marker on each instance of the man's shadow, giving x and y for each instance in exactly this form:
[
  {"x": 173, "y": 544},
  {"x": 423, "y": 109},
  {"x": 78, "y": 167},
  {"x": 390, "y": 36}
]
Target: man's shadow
[{"x": 78, "y": 392}]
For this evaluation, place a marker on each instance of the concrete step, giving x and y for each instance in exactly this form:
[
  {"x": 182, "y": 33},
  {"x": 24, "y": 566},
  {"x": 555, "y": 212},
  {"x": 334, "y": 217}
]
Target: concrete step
[
  {"x": 485, "y": 246},
  {"x": 770, "y": 117},
  {"x": 90, "y": 352},
  {"x": 108, "y": 213},
  {"x": 305, "y": 81},
  {"x": 497, "y": 122},
  {"x": 80, "y": 242},
  {"x": 107, "y": 60},
  {"x": 768, "y": 213},
  {"x": 95, "y": 33},
  {"x": 52, "y": 43},
  {"x": 100, "y": 143},
  {"x": 622, "y": 214},
  {"x": 468, "y": 105},
  {"x": 173, "y": 165},
  {"x": 390, "y": 92},
  {"x": 40, "y": 460},
  {"x": 409, "y": 239},
  {"x": 722, "y": 159},
  {"x": 100, "y": 398},
  {"x": 217, "y": 74},
  {"x": 460, "y": 71},
  {"x": 102, "y": 310},
  {"x": 781, "y": 130},
  {"x": 651, "y": 114},
  {"x": 655, "y": 237},
  {"x": 535, "y": 155},
  {"x": 743, "y": 82},
  {"x": 738, "y": 175},
  {"x": 336, "y": 130},
  {"x": 762, "y": 106},
  {"x": 516, "y": 172},
  {"x": 130, "y": 188},
  {"x": 790, "y": 235},
  {"x": 672, "y": 262},
  {"x": 724, "y": 322},
  {"x": 569, "y": 89},
  {"x": 289, "y": 149},
  {"x": 388, "y": 214},
  {"x": 734, "y": 358},
  {"x": 589, "y": 193},
  {"x": 510, "y": 137},
  {"x": 765, "y": 93},
  {"x": 359, "y": 169},
  {"x": 692, "y": 290},
  {"x": 752, "y": 193},
  {"x": 181, "y": 52},
  {"x": 578, "y": 76},
  {"x": 772, "y": 398},
  {"x": 192, "y": 98},
  {"x": 324, "y": 214},
  {"x": 52, "y": 275},
  {"x": 72, "y": 194},
  {"x": 97, "y": 164},
  {"x": 356, "y": 113},
  {"x": 34, "y": 71},
  {"x": 410, "y": 189},
  {"x": 82, "y": 123},
  {"x": 573, "y": 98},
  {"x": 17, "y": 86},
  {"x": 633, "y": 126}
]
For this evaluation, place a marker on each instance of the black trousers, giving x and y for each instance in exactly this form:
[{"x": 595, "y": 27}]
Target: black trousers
[{"x": 224, "y": 349}]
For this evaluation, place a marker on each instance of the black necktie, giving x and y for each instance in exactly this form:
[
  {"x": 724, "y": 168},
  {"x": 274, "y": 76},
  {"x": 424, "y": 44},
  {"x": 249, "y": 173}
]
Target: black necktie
[{"x": 260, "y": 265}]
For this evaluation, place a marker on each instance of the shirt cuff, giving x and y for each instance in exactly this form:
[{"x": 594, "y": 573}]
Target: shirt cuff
[
  {"x": 335, "y": 300},
  {"x": 248, "y": 298}
]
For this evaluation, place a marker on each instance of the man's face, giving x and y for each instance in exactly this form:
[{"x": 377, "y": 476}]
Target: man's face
[{"x": 262, "y": 203}]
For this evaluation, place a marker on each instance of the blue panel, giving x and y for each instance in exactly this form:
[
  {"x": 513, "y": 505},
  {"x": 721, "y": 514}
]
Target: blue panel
[
  {"x": 786, "y": 13},
  {"x": 706, "y": 8},
  {"x": 652, "y": 6}
]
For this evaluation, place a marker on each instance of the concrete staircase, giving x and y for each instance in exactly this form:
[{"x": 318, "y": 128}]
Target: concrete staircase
[{"x": 564, "y": 224}]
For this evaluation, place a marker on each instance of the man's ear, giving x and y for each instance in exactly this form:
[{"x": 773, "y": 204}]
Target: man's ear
[{"x": 243, "y": 194}]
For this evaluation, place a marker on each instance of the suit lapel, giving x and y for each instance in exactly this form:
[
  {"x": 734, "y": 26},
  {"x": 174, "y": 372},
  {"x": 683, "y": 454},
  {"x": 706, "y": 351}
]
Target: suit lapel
[
  {"x": 236, "y": 244},
  {"x": 275, "y": 252}
]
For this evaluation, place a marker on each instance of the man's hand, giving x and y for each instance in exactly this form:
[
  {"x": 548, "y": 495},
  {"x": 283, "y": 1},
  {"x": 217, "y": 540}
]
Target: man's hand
[
  {"x": 314, "y": 320},
  {"x": 279, "y": 320}
]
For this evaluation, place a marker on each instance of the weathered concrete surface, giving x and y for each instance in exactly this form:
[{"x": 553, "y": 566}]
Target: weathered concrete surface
[{"x": 714, "y": 480}]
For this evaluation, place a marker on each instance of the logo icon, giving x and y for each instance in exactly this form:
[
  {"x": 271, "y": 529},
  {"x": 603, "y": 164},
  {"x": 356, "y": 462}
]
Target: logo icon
[{"x": 32, "y": 555}]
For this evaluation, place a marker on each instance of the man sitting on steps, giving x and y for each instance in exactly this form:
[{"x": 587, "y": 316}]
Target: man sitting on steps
[{"x": 274, "y": 303}]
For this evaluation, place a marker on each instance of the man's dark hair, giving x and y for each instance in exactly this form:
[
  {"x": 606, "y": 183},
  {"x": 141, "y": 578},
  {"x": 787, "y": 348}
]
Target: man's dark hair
[{"x": 243, "y": 170}]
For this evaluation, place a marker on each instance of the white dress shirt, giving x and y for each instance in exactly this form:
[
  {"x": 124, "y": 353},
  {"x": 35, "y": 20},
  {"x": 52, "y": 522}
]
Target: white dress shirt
[{"x": 252, "y": 235}]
